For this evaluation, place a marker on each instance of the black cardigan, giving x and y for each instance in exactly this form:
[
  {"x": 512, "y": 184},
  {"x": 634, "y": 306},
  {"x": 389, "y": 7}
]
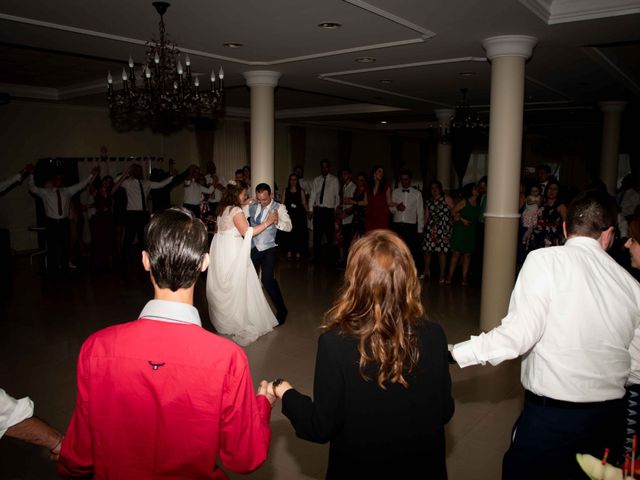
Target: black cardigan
[{"x": 395, "y": 432}]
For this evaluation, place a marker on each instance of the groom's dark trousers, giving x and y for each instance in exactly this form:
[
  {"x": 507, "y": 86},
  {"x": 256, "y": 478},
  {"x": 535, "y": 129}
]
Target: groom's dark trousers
[{"x": 266, "y": 261}]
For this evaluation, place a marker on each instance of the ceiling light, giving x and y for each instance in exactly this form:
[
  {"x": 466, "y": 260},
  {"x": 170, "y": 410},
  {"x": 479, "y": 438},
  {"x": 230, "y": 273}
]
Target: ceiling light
[
  {"x": 365, "y": 59},
  {"x": 386, "y": 81},
  {"x": 384, "y": 122},
  {"x": 329, "y": 25},
  {"x": 232, "y": 45},
  {"x": 164, "y": 94}
]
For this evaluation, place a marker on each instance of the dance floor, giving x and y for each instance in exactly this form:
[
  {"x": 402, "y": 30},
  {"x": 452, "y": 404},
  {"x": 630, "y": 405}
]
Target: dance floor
[{"x": 44, "y": 323}]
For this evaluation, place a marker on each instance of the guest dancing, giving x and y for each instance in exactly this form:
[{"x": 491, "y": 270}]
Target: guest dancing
[
  {"x": 379, "y": 200},
  {"x": 237, "y": 306},
  {"x": 437, "y": 232},
  {"x": 295, "y": 199},
  {"x": 463, "y": 237},
  {"x": 548, "y": 230},
  {"x": 382, "y": 390}
]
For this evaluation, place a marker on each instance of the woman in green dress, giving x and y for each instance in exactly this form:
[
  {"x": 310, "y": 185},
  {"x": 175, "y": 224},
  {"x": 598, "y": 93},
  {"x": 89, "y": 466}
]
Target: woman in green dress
[{"x": 463, "y": 237}]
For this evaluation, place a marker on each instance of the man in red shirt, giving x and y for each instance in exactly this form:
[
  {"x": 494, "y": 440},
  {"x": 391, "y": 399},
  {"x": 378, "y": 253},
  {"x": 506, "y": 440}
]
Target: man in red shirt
[{"x": 160, "y": 397}]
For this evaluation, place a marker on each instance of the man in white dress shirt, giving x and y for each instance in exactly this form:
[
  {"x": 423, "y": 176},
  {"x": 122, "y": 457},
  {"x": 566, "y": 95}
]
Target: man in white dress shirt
[
  {"x": 408, "y": 215},
  {"x": 325, "y": 197},
  {"x": 263, "y": 251},
  {"x": 572, "y": 316},
  {"x": 56, "y": 200},
  {"x": 193, "y": 191},
  {"x": 348, "y": 189},
  {"x": 137, "y": 215},
  {"x": 17, "y": 421}
]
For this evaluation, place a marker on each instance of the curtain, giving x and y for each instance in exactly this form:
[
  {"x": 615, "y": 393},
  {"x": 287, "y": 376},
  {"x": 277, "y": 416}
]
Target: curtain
[{"x": 230, "y": 147}]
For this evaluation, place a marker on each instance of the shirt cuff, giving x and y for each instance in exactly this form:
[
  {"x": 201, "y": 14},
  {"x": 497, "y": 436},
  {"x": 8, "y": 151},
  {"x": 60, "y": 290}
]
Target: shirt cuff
[
  {"x": 21, "y": 410},
  {"x": 464, "y": 355}
]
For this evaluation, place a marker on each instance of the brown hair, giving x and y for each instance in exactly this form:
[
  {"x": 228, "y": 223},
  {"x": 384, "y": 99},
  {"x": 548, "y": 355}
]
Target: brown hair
[
  {"x": 230, "y": 196},
  {"x": 176, "y": 243},
  {"x": 380, "y": 305}
]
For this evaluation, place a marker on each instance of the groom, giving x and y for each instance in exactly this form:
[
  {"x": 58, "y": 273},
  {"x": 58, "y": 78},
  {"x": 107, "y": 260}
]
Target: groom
[{"x": 263, "y": 251}]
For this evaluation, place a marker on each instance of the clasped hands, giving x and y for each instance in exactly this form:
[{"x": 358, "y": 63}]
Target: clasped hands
[{"x": 273, "y": 393}]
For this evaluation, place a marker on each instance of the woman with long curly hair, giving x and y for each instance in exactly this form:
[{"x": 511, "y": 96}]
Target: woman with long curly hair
[{"x": 382, "y": 390}]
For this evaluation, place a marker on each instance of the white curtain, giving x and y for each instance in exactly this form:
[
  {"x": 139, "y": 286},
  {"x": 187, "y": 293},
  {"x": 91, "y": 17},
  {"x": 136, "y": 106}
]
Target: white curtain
[{"x": 230, "y": 148}]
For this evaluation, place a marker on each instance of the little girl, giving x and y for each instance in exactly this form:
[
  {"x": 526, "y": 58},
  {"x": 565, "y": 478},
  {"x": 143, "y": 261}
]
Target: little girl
[{"x": 530, "y": 214}]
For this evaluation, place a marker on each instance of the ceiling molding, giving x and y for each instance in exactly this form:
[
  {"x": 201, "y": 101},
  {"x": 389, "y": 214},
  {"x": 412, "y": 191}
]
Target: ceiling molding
[
  {"x": 381, "y": 90},
  {"x": 426, "y": 63},
  {"x": 336, "y": 110},
  {"x": 601, "y": 58},
  {"x": 329, "y": 76},
  {"x": 547, "y": 87},
  {"x": 424, "y": 35},
  {"x": 565, "y": 11},
  {"x": 27, "y": 91}
]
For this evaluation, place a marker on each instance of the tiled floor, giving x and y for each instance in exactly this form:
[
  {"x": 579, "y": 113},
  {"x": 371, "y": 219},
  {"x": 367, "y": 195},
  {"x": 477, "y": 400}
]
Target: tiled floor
[{"x": 44, "y": 323}]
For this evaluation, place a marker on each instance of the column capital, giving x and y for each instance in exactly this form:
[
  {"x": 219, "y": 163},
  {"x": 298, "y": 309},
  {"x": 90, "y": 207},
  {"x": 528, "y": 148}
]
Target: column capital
[
  {"x": 509, "y": 46},
  {"x": 612, "y": 106},
  {"x": 261, "y": 77},
  {"x": 444, "y": 115}
]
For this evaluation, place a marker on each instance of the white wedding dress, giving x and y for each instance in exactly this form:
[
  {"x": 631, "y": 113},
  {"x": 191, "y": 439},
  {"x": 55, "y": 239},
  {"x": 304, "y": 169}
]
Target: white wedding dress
[{"x": 237, "y": 305}]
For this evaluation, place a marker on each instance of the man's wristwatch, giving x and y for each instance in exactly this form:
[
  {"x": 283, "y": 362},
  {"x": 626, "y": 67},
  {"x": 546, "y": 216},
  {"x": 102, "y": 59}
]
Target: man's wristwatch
[{"x": 275, "y": 384}]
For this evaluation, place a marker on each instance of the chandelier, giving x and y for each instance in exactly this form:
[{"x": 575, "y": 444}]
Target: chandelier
[
  {"x": 464, "y": 117},
  {"x": 162, "y": 94}
]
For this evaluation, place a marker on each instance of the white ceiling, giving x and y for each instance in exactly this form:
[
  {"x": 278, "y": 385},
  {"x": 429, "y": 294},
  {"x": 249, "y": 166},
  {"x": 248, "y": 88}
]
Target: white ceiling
[{"x": 588, "y": 51}]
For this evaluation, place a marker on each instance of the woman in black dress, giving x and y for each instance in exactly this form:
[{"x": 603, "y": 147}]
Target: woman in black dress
[
  {"x": 294, "y": 198},
  {"x": 382, "y": 390}
]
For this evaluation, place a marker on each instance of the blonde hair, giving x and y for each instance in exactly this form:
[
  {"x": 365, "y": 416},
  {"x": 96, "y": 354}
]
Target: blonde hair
[{"x": 380, "y": 305}]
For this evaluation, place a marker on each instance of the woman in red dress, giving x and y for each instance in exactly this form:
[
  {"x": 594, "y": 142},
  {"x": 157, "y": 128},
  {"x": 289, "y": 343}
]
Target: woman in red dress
[{"x": 379, "y": 196}]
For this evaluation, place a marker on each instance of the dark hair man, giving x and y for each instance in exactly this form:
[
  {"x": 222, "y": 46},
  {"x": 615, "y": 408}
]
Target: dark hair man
[
  {"x": 160, "y": 396},
  {"x": 263, "y": 246},
  {"x": 572, "y": 316},
  {"x": 325, "y": 197}
]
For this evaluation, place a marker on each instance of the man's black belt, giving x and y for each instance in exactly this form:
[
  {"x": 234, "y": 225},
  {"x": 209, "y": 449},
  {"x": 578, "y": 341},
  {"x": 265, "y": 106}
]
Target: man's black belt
[{"x": 553, "y": 403}]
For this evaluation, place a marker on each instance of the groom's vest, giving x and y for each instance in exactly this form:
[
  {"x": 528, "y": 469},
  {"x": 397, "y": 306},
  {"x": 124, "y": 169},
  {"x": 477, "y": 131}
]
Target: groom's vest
[{"x": 267, "y": 239}]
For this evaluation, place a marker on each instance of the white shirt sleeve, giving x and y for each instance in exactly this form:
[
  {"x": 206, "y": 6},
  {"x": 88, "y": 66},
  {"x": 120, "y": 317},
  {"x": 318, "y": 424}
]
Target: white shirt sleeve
[
  {"x": 13, "y": 411},
  {"x": 10, "y": 181},
  {"x": 284, "y": 221},
  {"x": 520, "y": 329}
]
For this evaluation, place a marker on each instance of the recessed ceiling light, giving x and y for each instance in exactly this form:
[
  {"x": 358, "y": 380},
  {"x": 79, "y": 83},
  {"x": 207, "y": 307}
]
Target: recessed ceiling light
[
  {"x": 383, "y": 122},
  {"x": 386, "y": 81},
  {"x": 365, "y": 59},
  {"x": 329, "y": 25},
  {"x": 233, "y": 44},
  {"x": 467, "y": 74}
]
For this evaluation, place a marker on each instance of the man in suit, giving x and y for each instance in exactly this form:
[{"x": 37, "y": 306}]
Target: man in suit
[{"x": 263, "y": 251}]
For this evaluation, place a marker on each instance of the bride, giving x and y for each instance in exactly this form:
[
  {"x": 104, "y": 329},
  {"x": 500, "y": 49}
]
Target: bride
[{"x": 237, "y": 306}]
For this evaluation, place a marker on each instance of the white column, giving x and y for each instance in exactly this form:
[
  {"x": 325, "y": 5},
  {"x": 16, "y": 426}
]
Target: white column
[
  {"x": 262, "y": 83},
  {"x": 610, "y": 143},
  {"x": 444, "y": 166},
  {"x": 507, "y": 54}
]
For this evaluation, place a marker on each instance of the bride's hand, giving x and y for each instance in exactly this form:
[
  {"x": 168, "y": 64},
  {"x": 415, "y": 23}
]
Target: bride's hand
[{"x": 273, "y": 217}]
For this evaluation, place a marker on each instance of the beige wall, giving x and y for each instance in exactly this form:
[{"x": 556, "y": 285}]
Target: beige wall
[{"x": 30, "y": 131}]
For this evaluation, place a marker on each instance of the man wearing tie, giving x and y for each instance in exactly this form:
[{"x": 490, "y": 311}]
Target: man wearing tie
[
  {"x": 56, "y": 199},
  {"x": 137, "y": 215},
  {"x": 408, "y": 214},
  {"x": 325, "y": 197},
  {"x": 263, "y": 251}
]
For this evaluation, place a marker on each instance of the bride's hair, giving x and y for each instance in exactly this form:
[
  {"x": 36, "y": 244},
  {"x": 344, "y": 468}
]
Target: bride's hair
[
  {"x": 380, "y": 305},
  {"x": 230, "y": 196}
]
